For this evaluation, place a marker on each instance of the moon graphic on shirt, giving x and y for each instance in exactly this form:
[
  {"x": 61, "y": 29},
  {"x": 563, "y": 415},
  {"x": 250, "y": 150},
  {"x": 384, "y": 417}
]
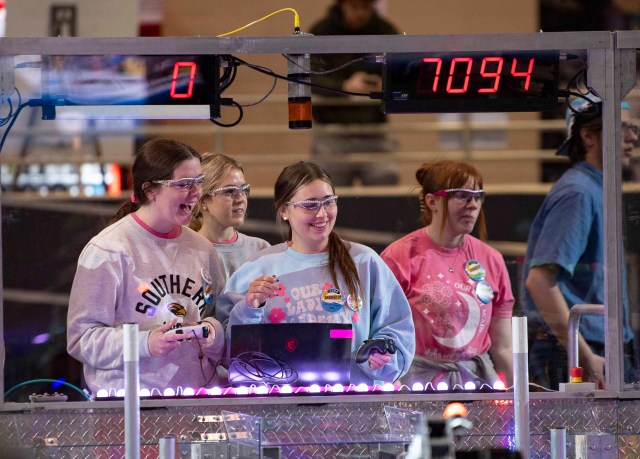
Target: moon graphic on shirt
[{"x": 468, "y": 331}]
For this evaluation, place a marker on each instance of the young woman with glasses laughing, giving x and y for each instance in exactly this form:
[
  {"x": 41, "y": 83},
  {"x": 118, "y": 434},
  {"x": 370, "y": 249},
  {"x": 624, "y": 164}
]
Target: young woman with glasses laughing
[
  {"x": 148, "y": 268},
  {"x": 458, "y": 286}
]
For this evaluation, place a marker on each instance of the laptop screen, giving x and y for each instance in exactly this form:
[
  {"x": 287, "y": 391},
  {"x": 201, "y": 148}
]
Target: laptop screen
[{"x": 299, "y": 354}]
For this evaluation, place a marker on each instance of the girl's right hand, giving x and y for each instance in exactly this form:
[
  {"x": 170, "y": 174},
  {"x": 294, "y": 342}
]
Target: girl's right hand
[
  {"x": 161, "y": 344},
  {"x": 260, "y": 290}
]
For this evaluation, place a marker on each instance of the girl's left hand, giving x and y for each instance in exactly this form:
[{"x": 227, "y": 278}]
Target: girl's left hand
[
  {"x": 209, "y": 340},
  {"x": 377, "y": 360}
]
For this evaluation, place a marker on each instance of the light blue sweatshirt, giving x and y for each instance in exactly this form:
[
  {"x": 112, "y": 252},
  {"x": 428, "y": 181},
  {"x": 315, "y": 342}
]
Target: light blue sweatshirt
[{"x": 306, "y": 294}]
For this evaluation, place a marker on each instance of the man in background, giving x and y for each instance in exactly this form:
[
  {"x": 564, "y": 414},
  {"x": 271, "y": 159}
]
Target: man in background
[
  {"x": 564, "y": 264},
  {"x": 363, "y": 116}
]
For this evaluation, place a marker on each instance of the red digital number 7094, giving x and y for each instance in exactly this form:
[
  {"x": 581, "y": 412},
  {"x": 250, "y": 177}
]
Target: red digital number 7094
[{"x": 460, "y": 70}]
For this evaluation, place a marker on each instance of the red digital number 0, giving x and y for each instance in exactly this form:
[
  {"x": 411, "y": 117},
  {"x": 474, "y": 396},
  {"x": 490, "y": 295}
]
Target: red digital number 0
[
  {"x": 526, "y": 75},
  {"x": 465, "y": 84},
  {"x": 423, "y": 70},
  {"x": 495, "y": 75},
  {"x": 191, "y": 66}
]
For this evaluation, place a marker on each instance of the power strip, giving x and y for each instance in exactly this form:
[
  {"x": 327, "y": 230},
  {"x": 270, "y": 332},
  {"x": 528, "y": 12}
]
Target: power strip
[{"x": 45, "y": 398}]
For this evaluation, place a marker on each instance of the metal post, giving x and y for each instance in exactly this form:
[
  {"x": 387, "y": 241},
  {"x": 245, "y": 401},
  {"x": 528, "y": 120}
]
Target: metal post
[
  {"x": 167, "y": 448},
  {"x": 521, "y": 384},
  {"x": 131, "y": 392},
  {"x": 558, "y": 443},
  {"x": 577, "y": 311}
]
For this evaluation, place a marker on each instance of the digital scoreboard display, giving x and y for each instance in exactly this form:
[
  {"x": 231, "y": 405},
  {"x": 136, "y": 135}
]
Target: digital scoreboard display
[
  {"x": 131, "y": 80},
  {"x": 470, "y": 82}
]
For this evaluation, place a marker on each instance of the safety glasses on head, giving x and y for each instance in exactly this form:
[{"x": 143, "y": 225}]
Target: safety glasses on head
[
  {"x": 462, "y": 195},
  {"x": 232, "y": 192},
  {"x": 183, "y": 184},
  {"x": 314, "y": 205}
]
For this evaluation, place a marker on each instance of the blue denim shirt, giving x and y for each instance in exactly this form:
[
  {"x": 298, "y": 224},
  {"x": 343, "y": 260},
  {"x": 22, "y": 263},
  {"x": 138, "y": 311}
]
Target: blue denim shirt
[{"x": 569, "y": 231}]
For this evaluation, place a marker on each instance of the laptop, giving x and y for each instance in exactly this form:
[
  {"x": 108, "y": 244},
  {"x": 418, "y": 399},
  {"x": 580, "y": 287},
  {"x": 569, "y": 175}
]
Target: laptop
[{"x": 297, "y": 354}]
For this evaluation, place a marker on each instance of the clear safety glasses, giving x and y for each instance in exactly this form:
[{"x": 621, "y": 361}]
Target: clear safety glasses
[
  {"x": 232, "y": 192},
  {"x": 462, "y": 195},
  {"x": 314, "y": 205},
  {"x": 182, "y": 184}
]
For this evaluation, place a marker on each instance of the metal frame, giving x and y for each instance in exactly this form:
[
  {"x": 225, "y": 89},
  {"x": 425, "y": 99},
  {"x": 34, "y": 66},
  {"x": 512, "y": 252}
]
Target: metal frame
[{"x": 611, "y": 64}]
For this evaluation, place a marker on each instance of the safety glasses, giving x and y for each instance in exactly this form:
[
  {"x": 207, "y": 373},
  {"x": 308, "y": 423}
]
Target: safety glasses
[
  {"x": 314, "y": 205},
  {"x": 232, "y": 192},
  {"x": 182, "y": 184},
  {"x": 462, "y": 195}
]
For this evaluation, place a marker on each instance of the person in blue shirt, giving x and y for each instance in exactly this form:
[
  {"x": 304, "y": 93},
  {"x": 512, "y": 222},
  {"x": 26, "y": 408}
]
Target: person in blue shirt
[
  {"x": 564, "y": 263},
  {"x": 315, "y": 276}
]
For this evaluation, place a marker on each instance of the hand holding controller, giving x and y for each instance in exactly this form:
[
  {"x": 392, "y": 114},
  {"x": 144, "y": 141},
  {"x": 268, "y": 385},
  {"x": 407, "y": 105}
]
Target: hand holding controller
[
  {"x": 380, "y": 345},
  {"x": 200, "y": 331}
]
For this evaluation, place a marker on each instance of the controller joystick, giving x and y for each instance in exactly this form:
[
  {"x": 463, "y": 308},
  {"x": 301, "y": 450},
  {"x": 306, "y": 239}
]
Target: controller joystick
[
  {"x": 380, "y": 345},
  {"x": 181, "y": 333}
]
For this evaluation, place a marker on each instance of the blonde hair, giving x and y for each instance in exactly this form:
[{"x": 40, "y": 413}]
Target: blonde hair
[{"x": 215, "y": 167}]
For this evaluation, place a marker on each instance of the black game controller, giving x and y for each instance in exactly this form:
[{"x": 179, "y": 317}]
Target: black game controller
[{"x": 380, "y": 345}]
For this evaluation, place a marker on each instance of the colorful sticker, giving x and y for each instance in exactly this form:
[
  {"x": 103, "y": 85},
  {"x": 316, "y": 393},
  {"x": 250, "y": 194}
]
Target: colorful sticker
[
  {"x": 354, "y": 305},
  {"x": 332, "y": 300},
  {"x": 475, "y": 270},
  {"x": 484, "y": 292}
]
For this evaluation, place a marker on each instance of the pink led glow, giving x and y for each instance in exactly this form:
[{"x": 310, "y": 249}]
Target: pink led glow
[
  {"x": 214, "y": 391},
  {"x": 442, "y": 386},
  {"x": 337, "y": 388},
  {"x": 314, "y": 389},
  {"x": 417, "y": 387},
  {"x": 499, "y": 385}
]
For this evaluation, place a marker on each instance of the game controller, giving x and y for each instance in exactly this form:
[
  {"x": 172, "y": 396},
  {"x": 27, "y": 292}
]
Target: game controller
[
  {"x": 191, "y": 331},
  {"x": 380, "y": 345}
]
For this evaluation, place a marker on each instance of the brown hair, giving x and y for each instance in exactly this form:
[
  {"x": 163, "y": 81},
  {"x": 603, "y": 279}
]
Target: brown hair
[
  {"x": 215, "y": 167},
  {"x": 155, "y": 160},
  {"x": 290, "y": 180},
  {"x": 444, "y": 175}
]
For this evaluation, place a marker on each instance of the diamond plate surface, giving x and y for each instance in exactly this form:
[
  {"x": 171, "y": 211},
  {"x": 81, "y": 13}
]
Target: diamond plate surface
[{"x": 330, "y": 430}]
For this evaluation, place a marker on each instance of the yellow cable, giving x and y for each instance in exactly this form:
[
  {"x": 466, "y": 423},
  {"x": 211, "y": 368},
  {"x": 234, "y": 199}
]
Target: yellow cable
[{"x": 296, "y": 21}]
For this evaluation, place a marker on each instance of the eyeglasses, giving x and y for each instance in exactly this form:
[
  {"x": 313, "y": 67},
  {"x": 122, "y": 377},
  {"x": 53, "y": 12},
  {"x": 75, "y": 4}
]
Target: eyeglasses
[
  {"x": 182, "y": 184},
  {"x": 314, "y": 205},
  {"x": 462, "y": 195},
  {"x": 232, "y": 192}
]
